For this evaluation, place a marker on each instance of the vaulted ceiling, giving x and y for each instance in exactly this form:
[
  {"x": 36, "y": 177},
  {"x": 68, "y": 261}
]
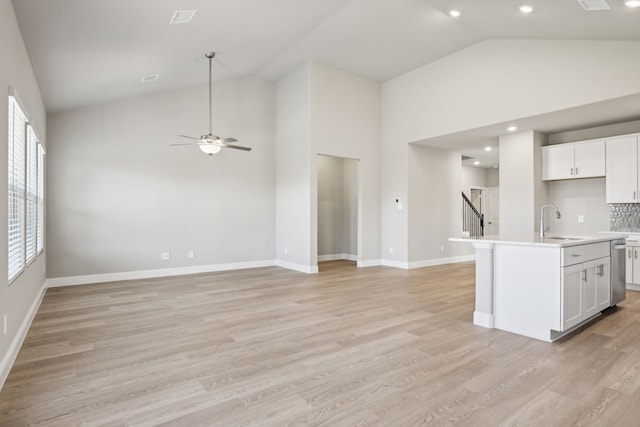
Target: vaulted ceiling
[{"x": 90, "y": 51}]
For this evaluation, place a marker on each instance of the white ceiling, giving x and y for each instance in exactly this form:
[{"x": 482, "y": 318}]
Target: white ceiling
[{"x": 91, "y": 51}]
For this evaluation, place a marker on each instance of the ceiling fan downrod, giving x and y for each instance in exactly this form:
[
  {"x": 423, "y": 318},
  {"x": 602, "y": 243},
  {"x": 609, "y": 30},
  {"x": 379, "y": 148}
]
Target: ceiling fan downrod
[{"x": 210, "y": 55}]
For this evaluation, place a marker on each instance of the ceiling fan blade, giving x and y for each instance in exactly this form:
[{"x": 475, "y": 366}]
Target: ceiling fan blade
[
  {"x": 189, "y": 137},
  {"x": 237, "y": 147},
  {"x": 184, "y": 143},
  {"x": 229, "y": 140}
]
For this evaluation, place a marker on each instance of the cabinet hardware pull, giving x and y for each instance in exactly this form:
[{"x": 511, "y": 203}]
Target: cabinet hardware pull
[
  {"x": 584, "y": 275},
  {"x": 576, "y": 171},
  {"x": 629, "y": 251},
  {"x": 601, "y": 270},
  {"x": 571, "y": 171},
  {"x": 635, "y": 253},
  {"x": 577, "y": 255}
]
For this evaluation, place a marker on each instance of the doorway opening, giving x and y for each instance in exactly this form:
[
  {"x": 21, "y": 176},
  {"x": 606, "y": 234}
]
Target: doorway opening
[{"x": 337, "y": 212}]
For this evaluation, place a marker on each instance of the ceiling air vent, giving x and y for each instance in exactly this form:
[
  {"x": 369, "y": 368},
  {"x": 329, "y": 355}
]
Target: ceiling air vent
[
  {"x": 592, "y": 5},
  {"x": 182, "y": 16},
  {"x": 150, "y": 78}
]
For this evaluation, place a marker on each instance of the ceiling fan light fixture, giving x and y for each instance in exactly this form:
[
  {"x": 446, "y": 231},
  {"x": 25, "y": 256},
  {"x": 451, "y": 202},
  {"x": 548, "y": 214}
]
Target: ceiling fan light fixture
[
  {"x": 209, "y": 148},
  {"x": 632, "y": 3}
]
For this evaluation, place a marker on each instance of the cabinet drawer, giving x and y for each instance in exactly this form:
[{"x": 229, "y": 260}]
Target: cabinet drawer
[{"x": 581, "y": 253}]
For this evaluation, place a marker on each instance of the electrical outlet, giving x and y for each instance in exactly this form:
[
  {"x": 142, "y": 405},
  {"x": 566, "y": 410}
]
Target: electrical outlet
[
  {"x": 581, "y": 218},
  {"x": 190, "y": 254},
  {"x": 164, "y": 256},
  {"x": 286, "y": 251},
  {"x": 441, "y": 248},
  {"x": 390, "y": 250}
]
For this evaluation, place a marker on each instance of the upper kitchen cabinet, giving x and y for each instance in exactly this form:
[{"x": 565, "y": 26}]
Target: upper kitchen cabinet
[
  {"x": 574, "y": 160},
  {"x": 622, "y": 169}
]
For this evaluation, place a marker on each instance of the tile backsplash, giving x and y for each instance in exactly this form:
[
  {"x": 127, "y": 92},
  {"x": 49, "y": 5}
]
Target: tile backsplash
[{"x": 624, "y": 217}]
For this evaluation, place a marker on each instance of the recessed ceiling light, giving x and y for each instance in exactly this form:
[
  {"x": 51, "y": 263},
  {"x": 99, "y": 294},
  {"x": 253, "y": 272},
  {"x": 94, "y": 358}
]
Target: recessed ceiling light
[
  {"x": 476, "y": 163},
  {"x": 454, "y": 13},
  {"x": 632, "y": 3},
  {"x": 525, "y": 8},
  {"x": 150, "y": 78},
  {"x": 182, "y": 16},
  {"x": 488, "y": 148},
  {"x": 512, "y": 128}
]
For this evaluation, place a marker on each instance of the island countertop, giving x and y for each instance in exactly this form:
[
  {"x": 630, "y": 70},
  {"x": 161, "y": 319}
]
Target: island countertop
[{"x": 535, "y": 240}]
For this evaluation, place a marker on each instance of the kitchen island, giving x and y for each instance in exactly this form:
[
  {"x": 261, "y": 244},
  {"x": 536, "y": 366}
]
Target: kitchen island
[{"x": 542, "y": 288}]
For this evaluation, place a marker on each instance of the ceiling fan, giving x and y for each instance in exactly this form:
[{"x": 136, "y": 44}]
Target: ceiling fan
[{"x": 210, "y": 143}]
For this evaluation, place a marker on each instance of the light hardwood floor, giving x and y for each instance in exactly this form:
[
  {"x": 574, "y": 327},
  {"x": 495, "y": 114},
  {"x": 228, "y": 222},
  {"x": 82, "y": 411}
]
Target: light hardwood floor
[{"x": 346, "y": 347}]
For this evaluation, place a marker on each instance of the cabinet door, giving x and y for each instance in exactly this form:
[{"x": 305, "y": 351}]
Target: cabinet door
[
  {"x": 622, "y": 170},
  {"x": 603, "y": 283},
  {"x": 557, "y": 162},
  {"x": 589, "y": 159},
  {"x": 571, "y": 296},
  {"x": 630, "y": 253},
  {"x": 635, "y": 266},
  {"x": 589, "y": 288}
]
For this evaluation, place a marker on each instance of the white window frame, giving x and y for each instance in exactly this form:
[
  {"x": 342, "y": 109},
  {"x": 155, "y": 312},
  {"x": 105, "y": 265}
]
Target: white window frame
[
  {"x": 25, "y": 190},
  {"x": 40, "y": 207}
]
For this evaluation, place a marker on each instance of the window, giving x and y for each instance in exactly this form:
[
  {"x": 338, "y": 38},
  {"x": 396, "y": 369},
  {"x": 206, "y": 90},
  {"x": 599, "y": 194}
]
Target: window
[
  {"x": 40, "y": 214},
  {"x": 25, "y": 191},
  {"x": 32, "y": 193},
  {"x": 16, "y": 187}
]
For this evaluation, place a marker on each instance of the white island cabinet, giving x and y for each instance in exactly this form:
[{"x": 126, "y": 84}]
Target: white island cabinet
[{"x": 540, "y": 288}]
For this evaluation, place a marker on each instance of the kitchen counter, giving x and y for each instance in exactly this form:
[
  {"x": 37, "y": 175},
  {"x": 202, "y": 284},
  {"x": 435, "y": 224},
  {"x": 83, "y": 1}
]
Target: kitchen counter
[
  {"x": 535, "y": 240},
  {"x": 541, "y": 288}
]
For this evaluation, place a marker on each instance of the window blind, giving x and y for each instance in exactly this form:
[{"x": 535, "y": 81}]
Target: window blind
[
  {"x": 16, "y": 188},
  {"x": 31, "y": 194},
  {"x": 40, "y": 213}
]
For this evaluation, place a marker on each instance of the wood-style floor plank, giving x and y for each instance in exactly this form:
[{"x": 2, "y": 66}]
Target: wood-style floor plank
[{"x": 346, "y": 347}]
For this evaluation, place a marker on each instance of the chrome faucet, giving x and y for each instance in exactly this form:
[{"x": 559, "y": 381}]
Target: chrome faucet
[{"x": 542, "y": 230}]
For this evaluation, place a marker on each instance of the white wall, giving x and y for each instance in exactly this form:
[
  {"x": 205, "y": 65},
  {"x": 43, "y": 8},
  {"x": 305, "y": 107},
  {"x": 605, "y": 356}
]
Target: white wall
[
  {"x": 492, "y": 177},
  {"x": 350, "y": 207},
  {"x": 293, "y": 171},
  {"x": 330, "y": 205},
  {"x": 322, "y": 110},
  {"x": 473, "y": 177},
  {"x": 345, "y": 122},
  {"x": 337, "y": 208},
  {"x": 481, "y": 86},
  {"x": 16, "y": 72},
  {"x": 575, "y": 197},
  {"x": 435, "y": 179},
  {"x": 522, "y": 192},
  {"x": 119, "y": 194}
]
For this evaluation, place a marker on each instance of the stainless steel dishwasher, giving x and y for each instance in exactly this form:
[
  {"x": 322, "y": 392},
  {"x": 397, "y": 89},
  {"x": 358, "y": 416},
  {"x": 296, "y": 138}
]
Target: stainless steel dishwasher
[{"x": 618, "y": 270}]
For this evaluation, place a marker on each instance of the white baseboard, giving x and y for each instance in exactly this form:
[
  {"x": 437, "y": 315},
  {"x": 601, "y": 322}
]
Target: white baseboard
[
  {"x": 395, "y": 264},
  {"x": 370, "y": 263},
  {"x": 309, "y": 269},
  {"x": 427, "y": 262},
  {"x": 148, "y": 274},
  {"x": 10, "y": 356},
  {"x": 485, "y": 320},
  {"x": 441, "y": 261},
  {"x": 334, "y": 257}
]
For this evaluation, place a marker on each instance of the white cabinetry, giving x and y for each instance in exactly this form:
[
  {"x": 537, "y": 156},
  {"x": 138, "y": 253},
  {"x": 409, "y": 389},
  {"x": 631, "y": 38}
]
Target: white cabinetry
[
  {"x": 586, "y": 282},
  {"x": 632, "y": 264},
  {"x": 575, "y": 160},
  {"x": 622, "y": 169}
]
